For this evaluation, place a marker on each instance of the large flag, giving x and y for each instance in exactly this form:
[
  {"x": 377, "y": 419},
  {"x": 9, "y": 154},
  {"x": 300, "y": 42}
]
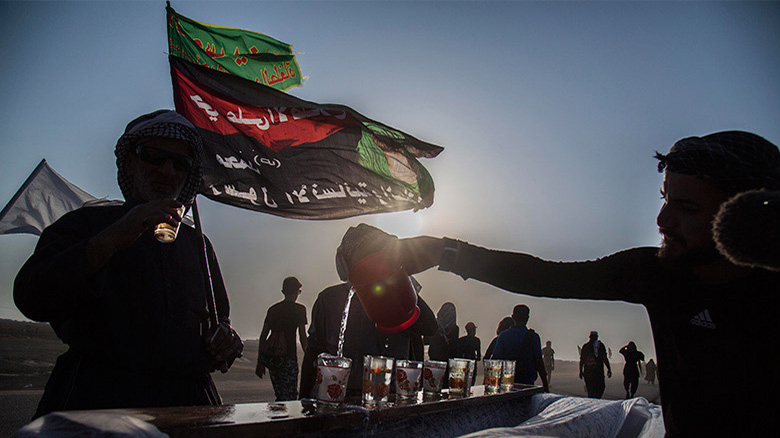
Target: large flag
[
  {"x": 242, "y": 53},
  {"x": 41, "y": 200},
  {"x": 272, "y": 152}
]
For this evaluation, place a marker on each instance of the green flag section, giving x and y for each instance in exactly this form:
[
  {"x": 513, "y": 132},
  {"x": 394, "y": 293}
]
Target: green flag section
[{"x": 246, "y": 54}]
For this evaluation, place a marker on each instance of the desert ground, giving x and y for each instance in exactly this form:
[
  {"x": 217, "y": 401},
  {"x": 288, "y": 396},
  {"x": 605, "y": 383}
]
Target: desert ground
[{"x": 28, "y": 352}]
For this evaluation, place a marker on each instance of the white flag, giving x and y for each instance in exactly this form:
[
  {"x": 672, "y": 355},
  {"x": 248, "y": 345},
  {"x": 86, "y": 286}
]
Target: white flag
[{"x": 41, "y": 200}]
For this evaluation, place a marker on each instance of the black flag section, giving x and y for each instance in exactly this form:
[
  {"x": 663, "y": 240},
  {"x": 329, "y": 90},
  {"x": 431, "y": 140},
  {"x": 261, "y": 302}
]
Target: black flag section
[{"x": 272, "y": 152}]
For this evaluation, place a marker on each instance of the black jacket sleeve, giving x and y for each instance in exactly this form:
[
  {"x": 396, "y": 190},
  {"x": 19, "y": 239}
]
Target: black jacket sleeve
[
  {"x": 620, "y": 276},
  {"x": 52, "y": 281}
]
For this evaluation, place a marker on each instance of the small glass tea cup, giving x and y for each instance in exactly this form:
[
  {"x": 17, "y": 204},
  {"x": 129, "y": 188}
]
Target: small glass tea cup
[
  {"x": 459, "y": 369},
  {"x": 492, "y": 369},
  {"x": 408, "y": 378},
  {"x": 165, "y": 232},
  {"x": 332, "y": 377},
  {"x": 507, "y": 375},
  {"x": 377, "y": 375},
  {"x": 433, "y": 377}
]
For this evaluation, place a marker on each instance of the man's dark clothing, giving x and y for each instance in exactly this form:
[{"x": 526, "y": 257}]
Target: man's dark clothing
[
  {"x": 285, "y": 317},
  {"x": 703, "y": 332},
  {"x": 512, "y": 344},
  {"x": 283, "y": 371},
  {"x": 283, "y": 320},
  {"x": 491, "y": 348},
  {"x": 469, "y": 347},
  {"x": 361, "y": 336},
  {"x": 134, "y": 328},
  {"x": 593, "y": 358},
  {"x": 438, "y": 346}
]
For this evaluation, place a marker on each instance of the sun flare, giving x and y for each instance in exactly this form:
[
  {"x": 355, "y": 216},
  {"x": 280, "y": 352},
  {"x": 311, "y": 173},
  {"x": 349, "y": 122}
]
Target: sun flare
[{"x": 403, "y": 223}]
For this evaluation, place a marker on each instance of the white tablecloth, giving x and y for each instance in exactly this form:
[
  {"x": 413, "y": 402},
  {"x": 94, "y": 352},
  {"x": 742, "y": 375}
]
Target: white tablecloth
[{"x": 554, "y": 415}]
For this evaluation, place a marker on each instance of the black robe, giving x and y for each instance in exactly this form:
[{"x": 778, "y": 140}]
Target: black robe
[
  {"x": 134, "y": 328},
  {"x": 705, "y": 334}
]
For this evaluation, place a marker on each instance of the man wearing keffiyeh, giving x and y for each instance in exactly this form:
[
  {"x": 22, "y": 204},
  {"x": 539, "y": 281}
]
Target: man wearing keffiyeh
[
  {"x": 723, "y": 165},
  {"x": 710, "y": 307},
  {"x": 131, "y": 309}
]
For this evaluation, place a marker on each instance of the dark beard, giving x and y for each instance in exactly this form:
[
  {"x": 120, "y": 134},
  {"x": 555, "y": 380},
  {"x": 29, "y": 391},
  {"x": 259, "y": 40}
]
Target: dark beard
[{"x": 688, "y": 261}]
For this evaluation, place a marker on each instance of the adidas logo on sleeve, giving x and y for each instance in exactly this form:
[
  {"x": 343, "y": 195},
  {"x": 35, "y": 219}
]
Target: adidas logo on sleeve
[{"x": 703, "y": 319}]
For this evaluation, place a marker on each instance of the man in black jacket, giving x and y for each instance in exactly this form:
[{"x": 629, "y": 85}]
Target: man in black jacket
[
  {"x": 131, "y": 309},
  {"x": 706, "y": 312}
]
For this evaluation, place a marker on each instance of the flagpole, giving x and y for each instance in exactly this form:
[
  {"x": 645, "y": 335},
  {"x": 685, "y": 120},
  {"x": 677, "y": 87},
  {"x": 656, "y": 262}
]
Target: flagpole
[
  {"x": 211, "y": 390},
  {"x": 204, "y": 262}
]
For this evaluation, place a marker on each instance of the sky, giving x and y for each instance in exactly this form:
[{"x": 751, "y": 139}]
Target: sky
[{"x": 549, "y": 113}]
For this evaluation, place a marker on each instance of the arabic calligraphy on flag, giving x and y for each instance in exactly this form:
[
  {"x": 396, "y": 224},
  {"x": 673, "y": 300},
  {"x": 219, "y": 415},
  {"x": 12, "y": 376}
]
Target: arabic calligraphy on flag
[
  {"x": 272, "y": 152},
  {"x": 242, "y": 53}
]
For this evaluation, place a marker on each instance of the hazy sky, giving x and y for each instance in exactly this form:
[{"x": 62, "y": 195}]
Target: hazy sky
[{"x": 549, "y": 113}]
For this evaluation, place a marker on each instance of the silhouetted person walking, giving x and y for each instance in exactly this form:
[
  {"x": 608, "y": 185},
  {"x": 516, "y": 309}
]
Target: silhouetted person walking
[
  {"x": 470, "y": 347},
  {"x": 593, "y": 359},
  {"x": 631, "y": 368},
  {"x": 548, "y": 357},
  {"x": 278, "y": 352},
  {"x": 650, "y": 370},
  {"x": 524, "y": 346}
]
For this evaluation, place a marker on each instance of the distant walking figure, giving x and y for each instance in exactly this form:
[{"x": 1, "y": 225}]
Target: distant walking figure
[
  {"x": 650, "y": 372},
  {"x": 631, "y": 368},
  {"x": 470, "y": 346},
  {"x": 548, "y": 357},
  {"x": 524, "y": 346},
  {"x": 593, "y": 359},
  {"x": 278, "y": 351}
]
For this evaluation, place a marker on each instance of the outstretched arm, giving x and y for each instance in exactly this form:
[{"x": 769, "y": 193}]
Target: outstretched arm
[{"x": 621, "y": 276}]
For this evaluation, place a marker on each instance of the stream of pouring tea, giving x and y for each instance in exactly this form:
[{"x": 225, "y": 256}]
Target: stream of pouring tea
[{"x": 344, "y": 317}]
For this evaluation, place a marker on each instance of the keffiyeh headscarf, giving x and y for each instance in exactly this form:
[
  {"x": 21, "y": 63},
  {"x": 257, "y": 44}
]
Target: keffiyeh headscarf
[
  {"x": 161, "y": 123},
  {"x": 733, "y": 161}
]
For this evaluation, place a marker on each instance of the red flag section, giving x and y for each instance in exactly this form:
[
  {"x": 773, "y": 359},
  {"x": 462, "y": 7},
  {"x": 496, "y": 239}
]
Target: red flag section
[{"x": 276, "y": 128}]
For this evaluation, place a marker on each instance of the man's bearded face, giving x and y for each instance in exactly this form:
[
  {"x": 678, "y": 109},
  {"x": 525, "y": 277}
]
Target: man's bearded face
[
  {"x": 159, "y": 172},
  {"x": 685, "y": 220}
]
